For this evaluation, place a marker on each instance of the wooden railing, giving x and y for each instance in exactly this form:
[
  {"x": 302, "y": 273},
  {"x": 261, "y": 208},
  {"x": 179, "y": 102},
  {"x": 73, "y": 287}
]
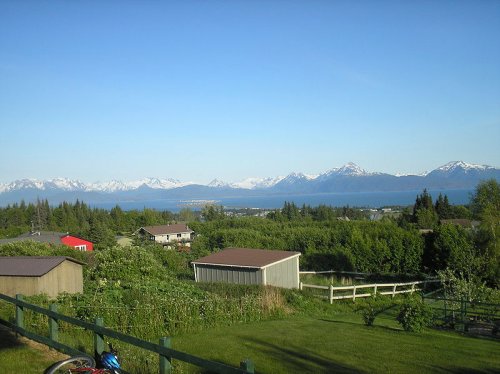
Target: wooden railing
[
  {"x": 166, "y": 354},
  {"x": 353, "y": 292}
]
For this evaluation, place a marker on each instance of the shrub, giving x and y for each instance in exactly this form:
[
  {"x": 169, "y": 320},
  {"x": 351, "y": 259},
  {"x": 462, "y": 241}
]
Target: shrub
[
  {"x": 372, "y": 307},
  {"x": 414, "y": 314}
]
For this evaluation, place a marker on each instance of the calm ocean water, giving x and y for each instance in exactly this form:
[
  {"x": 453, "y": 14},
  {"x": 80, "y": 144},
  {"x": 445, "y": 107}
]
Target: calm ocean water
[{"x": 359, "y": 199}]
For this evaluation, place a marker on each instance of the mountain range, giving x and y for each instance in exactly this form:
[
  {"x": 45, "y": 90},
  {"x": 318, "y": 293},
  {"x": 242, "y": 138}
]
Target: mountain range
[{"x": 348, "y": 178}]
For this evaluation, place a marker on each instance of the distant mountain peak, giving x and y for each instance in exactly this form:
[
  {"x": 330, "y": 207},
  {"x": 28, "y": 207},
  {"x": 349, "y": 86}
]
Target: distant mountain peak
[
  {"x": 218, "y": 183},
  {"x": 454, "y": 165},
  {"x": 253, "y": 183},
  {"x": 349, "y": 169}
]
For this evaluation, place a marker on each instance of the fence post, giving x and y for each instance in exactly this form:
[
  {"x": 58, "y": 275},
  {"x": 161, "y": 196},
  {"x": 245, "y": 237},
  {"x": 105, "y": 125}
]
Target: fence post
[
  {"x": 300, "y": 286},
  {"x": 53, "y": 324},
  {"x": 331, "y": 293},
  {"x": 19, "y": 312},
  {"x": 463, "y": 314},
  {"x": 354, "y": 293},
  {"x": 375, "y": 290},
  {"x": 99, "y": 338},
  {"x": 412, "y": 288},
  {"x": 248, "y": 366},
  {"x": 394, "y": 289},
  {"x": 165, "y": 361}
]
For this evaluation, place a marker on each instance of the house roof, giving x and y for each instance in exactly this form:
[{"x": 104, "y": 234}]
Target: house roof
[
  {"x": 167, "y": 229},
  {"x": 41, "y": 237},
  {"x": 50, "y": 237},
  {"x": 246, "y": 257},
  {"x": 31, "y": 266},
  {"x": 467, "y": 223}
]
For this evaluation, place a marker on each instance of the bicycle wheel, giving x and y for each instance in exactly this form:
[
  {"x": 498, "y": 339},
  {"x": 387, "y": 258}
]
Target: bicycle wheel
[{"x": 75, "y": 364}]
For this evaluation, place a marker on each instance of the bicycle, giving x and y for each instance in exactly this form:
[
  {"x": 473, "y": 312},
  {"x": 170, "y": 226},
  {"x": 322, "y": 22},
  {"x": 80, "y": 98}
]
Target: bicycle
[{"x": 87, "y": 365}]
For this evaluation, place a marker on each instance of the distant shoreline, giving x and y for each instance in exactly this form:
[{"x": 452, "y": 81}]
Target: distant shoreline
[{"x": 353, "y": 199}]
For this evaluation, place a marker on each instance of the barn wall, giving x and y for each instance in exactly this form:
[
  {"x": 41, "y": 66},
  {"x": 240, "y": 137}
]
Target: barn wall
[
  {"x": 11, "y": 286},
  {"x": 283, "y": 274},
  {"x": 66, "y": 277},
  {"x": 228, "y": 274}
]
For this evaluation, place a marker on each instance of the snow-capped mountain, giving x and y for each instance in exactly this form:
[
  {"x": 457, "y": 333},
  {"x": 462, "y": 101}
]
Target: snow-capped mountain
[
  {"x": 461, "y": 166},
  {"x": 257, "y": 183},
  {"x": 350, "y": 169},
  {"x": 63, "y": 184},
  {"x": 347, "y": 178},
  {"x": 218, "y": 184},
  {"x": 155, "y": 183}
]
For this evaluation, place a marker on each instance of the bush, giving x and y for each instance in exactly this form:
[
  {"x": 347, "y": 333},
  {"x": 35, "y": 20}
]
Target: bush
[
  {"x": 414, "y": 314},
  {"x": 372, "y": 307}
]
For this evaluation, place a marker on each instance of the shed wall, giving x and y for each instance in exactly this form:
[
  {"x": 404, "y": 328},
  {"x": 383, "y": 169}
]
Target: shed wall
[
  {"x": 66, "y": 277},
  {"x": 11, "y": 286},
  {"x": 228, "y": 274},
  {"x": 284, "y": 274}
]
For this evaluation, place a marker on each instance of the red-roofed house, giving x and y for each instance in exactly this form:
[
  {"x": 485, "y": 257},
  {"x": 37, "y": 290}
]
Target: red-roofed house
[
  {"x": 51, "y": 237},
  {"x": 77, "y": 243}
]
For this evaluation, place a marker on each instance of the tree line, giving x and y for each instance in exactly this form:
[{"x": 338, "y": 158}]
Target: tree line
[{"x": 97, "y": 225}]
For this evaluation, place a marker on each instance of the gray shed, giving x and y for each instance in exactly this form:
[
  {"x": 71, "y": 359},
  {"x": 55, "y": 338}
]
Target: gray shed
[
  {"x": 33, "y": 275},
  {"x": 249, "y": 266}
]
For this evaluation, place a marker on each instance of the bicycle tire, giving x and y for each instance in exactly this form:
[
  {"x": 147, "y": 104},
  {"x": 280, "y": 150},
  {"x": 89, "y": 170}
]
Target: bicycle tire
[{"x": 71, "y": 363}]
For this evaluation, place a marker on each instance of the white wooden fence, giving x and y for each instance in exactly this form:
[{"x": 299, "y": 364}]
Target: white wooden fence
[{"x": 382, "y": 288}]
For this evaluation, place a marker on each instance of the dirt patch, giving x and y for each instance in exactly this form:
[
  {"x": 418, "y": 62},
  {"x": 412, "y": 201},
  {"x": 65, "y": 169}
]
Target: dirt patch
[{"x": 9, "y": 339}]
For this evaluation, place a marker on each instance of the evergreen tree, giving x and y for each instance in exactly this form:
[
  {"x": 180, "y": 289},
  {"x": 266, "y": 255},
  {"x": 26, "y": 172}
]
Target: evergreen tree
[
  {"x": 424, "y": 213},
  {"x": 443, "y": 208}
]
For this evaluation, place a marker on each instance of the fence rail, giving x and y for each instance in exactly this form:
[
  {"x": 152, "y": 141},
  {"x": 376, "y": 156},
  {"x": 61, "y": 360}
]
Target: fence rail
[
  {"x": 408, "y": 287},
  {"x": 166, "y": 354}
]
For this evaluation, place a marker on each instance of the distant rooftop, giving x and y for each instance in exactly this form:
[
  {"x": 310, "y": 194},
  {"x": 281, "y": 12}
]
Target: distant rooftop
[
  {"x": 49, "y": 237},
  {"x": 31, "y": 266},
  {"x": 167, "y": 229}
]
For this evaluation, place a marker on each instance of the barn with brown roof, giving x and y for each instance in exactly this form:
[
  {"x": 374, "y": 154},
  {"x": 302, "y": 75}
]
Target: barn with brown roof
[
  {"x": 33, "y": 275},
  {"x": 249, "y": 266}
]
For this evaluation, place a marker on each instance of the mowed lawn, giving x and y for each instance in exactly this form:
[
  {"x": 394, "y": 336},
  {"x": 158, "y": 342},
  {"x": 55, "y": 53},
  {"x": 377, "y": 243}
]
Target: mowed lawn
[
  {"x": 18, "y": 355},
  {"x": 342, "y": 344}
]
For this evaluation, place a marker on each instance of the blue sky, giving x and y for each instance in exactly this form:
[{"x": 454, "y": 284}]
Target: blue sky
[{"x": 194, "y": 90}]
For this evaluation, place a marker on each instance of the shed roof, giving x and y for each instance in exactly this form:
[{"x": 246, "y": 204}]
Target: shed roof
[
  {"x": 167, "y": 229},
  {"x": 31, "y": 266},
  {"x": 246, "y": 257}
]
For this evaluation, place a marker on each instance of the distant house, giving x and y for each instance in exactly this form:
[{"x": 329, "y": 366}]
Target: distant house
[
  {"x": 55, "y": 238},
  {"x": 33, "y": 275},
  {"x": 249, "y": 266},
  {"x": 167, "y": 234},
  {"x": 465, "y": 223}
]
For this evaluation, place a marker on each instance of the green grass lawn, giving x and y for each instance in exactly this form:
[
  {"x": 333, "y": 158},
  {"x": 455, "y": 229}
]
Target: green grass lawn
[
  {"x": 342, "y": 344},
  {"x": 16, "y": 356},
  {"x": 335, "y": 342}
]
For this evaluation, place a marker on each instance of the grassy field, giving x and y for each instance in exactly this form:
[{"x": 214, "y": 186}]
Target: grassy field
[
  {"x": 336, "y": 343},
  {"x": 342, "y": 344},
  {"x": 19, "y": 355}
]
